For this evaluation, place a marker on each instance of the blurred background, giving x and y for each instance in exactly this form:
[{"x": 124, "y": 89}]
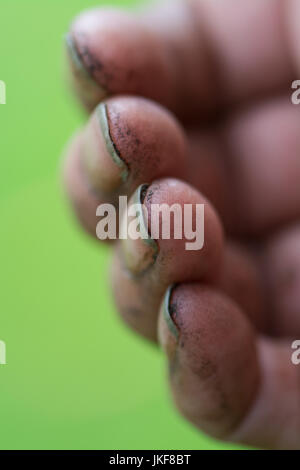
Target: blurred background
[{"x": 75, "y": 378}]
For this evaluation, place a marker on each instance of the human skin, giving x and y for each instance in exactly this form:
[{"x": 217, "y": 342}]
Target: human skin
[{"x": 193, "y": 98}]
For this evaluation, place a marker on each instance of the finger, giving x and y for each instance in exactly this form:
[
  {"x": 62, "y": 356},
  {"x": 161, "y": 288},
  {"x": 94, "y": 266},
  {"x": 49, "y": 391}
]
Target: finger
[
  {"x": 113, "y": 52},
  {"x": 251, "y": 48},
  {"x": 193, "y": 57},
  {"x": 126, "y": 142},
  {"x": 223, "y": 380},
  {"x": 238, "y": 167},
  {"x": 211, "y": 350},
  {"x": 143, "y": 268},
  {"x": 242, "y": 280},
  {"x": 245, "y": 169},
  {"x": 274, "y": 420},
  {"x": 282, "y": 274},
  {"x": 263, "y": 146}
]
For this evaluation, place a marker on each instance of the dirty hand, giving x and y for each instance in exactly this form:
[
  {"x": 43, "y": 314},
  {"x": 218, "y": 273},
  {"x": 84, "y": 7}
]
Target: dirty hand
[{"x": 229, "y": 312}]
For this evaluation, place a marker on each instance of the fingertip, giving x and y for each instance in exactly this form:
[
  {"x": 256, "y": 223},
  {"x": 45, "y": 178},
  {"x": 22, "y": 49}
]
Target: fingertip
[
  {"x": 102, "y": 163},
  {"x": 170, "y": 207},
  {"x": 213, "y": 368},
  {"x": 113, "y": 52},
  {"x": 129, "y": 140},
  {"x": 81, "y": 78}
]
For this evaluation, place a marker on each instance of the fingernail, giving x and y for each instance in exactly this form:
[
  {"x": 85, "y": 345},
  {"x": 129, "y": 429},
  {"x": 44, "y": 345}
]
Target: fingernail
[
  {"x": 88, "y": 89},
  {"x": 101, "y": 162},
  {"x": 139, "y": 255},
  {"x": 168, "y": 312}
]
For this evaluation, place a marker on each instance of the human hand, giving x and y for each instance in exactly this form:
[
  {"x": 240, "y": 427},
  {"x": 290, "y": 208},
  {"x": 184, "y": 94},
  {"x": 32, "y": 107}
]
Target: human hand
[{"x": 225, "y": 69}]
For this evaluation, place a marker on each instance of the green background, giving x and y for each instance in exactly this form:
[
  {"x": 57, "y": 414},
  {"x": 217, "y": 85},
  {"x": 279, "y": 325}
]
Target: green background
[{"x": 76, "y": 378}]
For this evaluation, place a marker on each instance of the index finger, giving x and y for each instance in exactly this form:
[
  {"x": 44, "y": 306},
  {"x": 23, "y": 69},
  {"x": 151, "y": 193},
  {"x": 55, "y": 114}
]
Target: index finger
[{"x": 195, "y": 57}]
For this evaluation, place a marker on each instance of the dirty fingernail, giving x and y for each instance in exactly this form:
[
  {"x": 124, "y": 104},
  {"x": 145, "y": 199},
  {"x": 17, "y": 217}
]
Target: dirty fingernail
[
  {"x": 87, "y": 88},
  {"x": 168, "y": 313},
  {"x": 139, "y": 249},
  {"x": 101, "y": 162}
]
